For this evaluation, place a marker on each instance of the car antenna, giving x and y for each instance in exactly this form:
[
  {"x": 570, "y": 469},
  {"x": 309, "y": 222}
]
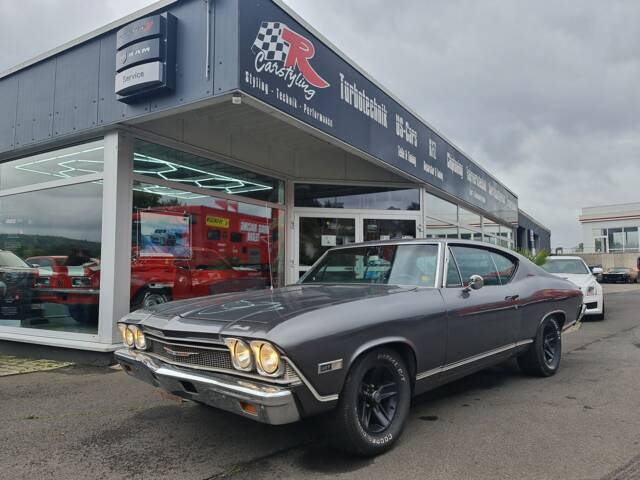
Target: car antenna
[{"x": 268, "y": 216}]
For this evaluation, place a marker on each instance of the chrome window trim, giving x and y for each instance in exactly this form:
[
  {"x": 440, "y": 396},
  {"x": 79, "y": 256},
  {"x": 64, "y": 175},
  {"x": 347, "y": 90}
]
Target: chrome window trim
[
  {"x": 448, "y": 254},
  {"x": 474, "y": 358}
]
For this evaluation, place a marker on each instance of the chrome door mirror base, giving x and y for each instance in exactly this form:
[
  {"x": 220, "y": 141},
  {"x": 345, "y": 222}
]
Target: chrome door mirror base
[{"x": 476, "y": 282}]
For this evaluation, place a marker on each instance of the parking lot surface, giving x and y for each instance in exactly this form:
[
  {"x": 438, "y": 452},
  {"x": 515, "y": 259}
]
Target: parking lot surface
[{"x": 583, "y": 423}]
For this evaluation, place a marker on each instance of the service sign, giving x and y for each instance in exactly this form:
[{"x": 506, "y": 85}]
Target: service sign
[
  {"x": 139, "y": 30},
  {"x": 284, "y": 65},
  {"x": 145, "y": 58},
  {"x": 141, "y": 77}
]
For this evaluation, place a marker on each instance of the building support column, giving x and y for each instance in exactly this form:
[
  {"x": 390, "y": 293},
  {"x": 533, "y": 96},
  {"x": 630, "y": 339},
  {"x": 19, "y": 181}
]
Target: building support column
[{"x": 115, "y": 263}]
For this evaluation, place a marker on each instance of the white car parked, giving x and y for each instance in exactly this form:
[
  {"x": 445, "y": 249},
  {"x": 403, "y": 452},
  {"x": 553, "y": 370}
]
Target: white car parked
[{"x": 575, "y": 270}]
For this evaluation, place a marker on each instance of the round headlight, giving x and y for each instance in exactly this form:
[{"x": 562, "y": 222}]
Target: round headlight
[
  {"x": 129, "y": 336},
  {"x": 140, "y": 340},
  {"x": 269, "y": 358},
  {"x": 123, "y": 331},
  {"x": 242, "y": 354}
]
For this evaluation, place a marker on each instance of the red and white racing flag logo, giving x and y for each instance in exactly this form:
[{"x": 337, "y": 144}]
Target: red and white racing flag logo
[{"x": 286, "y": 54}]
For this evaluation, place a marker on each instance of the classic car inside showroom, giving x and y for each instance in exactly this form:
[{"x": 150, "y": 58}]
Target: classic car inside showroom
[{"x": 196, "y": 148}]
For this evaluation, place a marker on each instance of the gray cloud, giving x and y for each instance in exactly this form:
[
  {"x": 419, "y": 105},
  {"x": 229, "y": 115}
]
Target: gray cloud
[
  {"x": 32, "y": 27},
  {"x": 543, "y": 94}
]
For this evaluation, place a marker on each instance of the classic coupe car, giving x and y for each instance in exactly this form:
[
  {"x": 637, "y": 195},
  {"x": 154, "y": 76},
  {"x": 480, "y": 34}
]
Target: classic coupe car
[{"x": 366, "y": 328}]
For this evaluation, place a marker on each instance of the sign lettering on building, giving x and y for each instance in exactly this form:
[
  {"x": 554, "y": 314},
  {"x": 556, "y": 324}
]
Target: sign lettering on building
[
  {"x": 287, "y": 67},
  {"x": 146, "y": 58}
]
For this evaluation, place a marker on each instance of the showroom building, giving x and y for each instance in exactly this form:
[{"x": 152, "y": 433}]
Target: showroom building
[
  {"x": 610, "y": 228},
  {"x": 199, "y": 147}
]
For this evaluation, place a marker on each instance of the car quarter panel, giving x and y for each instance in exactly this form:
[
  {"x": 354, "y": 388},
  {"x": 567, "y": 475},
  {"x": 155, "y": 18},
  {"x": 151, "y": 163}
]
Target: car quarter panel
[
  {"x": 414, "y": 318},
  {"x": 541, "y": 296}
]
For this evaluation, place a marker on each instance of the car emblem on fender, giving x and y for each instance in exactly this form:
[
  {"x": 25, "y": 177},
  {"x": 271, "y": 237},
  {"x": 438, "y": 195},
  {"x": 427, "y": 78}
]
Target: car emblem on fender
[{"x": 177, "y": 353}]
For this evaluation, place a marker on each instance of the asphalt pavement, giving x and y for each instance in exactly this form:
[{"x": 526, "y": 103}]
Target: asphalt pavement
[{"x": 583, "y": 423}]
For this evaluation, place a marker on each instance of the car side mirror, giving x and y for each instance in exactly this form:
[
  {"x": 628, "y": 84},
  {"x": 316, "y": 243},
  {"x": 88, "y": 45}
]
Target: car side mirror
[
  {"x": 597, "y": 270},
  {"x": 476, "y": 282}
]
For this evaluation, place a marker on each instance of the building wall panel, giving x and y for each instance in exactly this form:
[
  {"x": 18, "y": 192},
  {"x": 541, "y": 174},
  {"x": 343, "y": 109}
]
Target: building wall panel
[
  {"x": 76, "y": 89},
  {"x": 8, "y": 103},
  {"x": 34, "y": 119}
]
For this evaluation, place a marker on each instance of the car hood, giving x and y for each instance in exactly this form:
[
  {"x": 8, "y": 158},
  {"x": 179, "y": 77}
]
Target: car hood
[
  {"x": 249, "y": 312},
  {"x": 581, "y": 280}
]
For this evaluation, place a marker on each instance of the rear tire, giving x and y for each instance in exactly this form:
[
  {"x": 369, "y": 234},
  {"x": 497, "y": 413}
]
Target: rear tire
[
  {"x": 543, "y": 357},
  {"x": 374, "y": 404}
]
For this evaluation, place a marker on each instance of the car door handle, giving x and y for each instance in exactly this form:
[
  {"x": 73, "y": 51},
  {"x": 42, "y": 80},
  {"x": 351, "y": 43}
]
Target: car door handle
[{"x": 509, "y": 298}]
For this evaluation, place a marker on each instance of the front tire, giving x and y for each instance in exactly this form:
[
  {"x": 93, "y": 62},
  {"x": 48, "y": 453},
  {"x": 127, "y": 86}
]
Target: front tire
[
  {"x": 543, "y": 357},
  {"x": 374, "y": 404},
  {"x": 600, "y": 316}
]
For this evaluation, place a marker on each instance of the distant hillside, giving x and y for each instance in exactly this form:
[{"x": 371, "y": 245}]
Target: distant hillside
[{"x": 35, "y": 245}]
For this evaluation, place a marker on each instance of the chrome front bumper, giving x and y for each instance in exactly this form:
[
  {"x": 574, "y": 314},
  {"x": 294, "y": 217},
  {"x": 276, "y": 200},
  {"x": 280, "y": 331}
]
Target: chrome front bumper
[{"x": 273, "y": 404}]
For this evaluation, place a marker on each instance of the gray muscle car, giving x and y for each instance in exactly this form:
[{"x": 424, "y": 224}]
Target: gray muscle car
[{"x": 366, "y": 328}]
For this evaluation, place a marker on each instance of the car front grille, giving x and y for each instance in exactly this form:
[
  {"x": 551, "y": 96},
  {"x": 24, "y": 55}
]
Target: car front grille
[{"x": 206, "y": 358}]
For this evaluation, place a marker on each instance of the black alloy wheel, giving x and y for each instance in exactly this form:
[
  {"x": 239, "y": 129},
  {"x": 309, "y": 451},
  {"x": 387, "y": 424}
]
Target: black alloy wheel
[
  {"x": 374, "y": 404},
  {"x": 542, "y": 358},
  {"x": 550, "y": 343},
  {"x": 378, "y": 399}
]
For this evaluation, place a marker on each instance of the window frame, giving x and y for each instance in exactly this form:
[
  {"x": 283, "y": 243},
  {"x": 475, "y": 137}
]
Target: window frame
[{"x": 490, "y": 251}]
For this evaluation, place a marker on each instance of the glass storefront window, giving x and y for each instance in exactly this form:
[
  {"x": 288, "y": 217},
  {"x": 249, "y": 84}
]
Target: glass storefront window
[
  {"x": 157, "y": 161},
  {"x": 470, "y": 235},
  {"x": 317, "y": 235},
  {"x": 387, "y": 229},
  {"x": 438, "y": 208},
  {"x": 60, "y": 164},
  {"x": 469, "y": 218},
  {"x": 631, "y": 238},
  {"x": 50, "y": 247},
  {"x": 344, "y": 196},
  {"x": 437, "y": 229},
  {"x": 615, "y": 239},
  {"x": 186, "y": 246},
  {"x": 490, "y": 227}
]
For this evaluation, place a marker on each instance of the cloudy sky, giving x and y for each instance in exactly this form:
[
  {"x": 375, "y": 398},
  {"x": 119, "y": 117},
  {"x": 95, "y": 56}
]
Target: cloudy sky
[{"x": 544, "y": 94}]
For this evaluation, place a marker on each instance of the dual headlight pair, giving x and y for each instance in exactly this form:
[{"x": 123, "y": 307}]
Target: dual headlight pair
[
  {"x": 132, "y": 336},
  {"x": 257, "y": 354}
]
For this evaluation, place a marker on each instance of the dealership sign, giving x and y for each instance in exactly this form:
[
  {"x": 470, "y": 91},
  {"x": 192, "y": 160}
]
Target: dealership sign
[
  {"x": 146, "y": 57},
  {"x": 284, "y": 65}
]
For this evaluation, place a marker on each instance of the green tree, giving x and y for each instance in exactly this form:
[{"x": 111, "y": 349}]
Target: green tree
[{"x": 539, "y": 258}]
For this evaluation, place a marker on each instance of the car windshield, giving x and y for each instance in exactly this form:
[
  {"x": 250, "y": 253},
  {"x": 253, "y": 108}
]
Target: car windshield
[
  {"x": 619, "y": 270},
  {"x": 566, "y": 265},
  {"x": 8, "y": 259},
  {"x": 414, "y": 264}
]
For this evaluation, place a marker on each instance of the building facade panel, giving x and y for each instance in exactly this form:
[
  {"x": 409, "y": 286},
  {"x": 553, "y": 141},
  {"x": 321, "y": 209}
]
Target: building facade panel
[
  {"x": 228, "y": 188},
  {"x": 8, "y": 104},
  {"x": 75, "y": 101}
]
